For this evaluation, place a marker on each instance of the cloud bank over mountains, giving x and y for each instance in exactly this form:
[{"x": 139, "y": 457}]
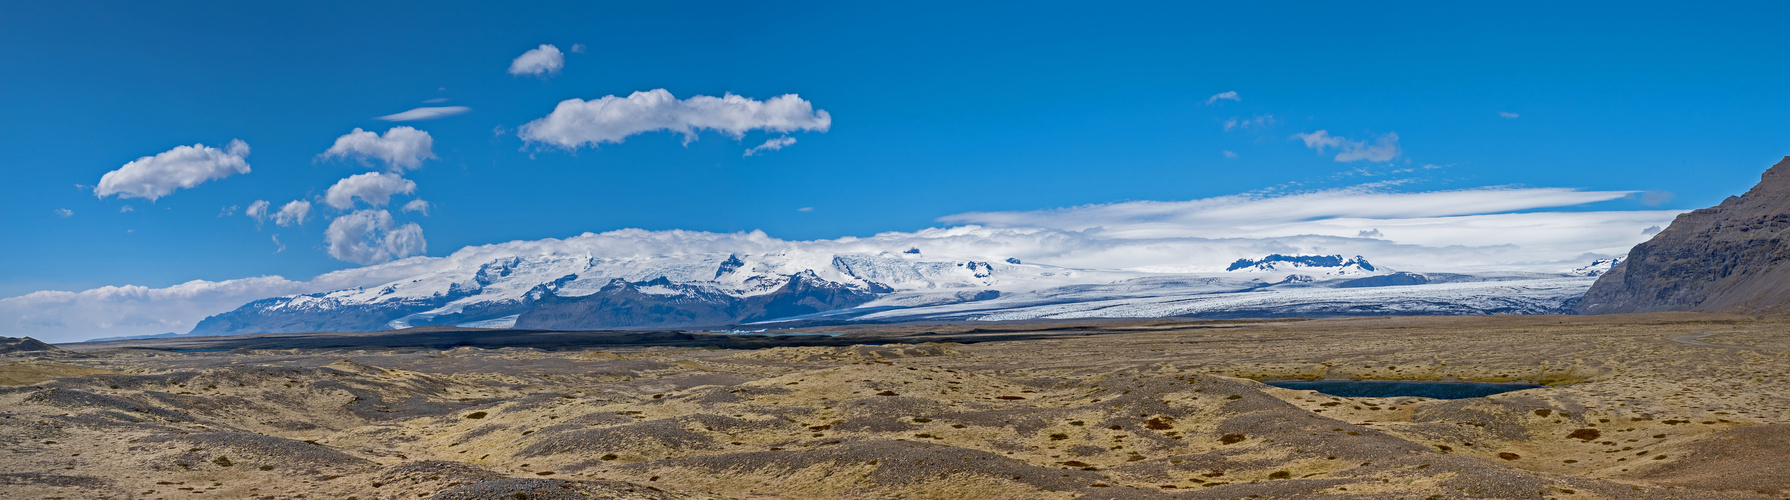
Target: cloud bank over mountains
[{"x": 1478, "y": 230}]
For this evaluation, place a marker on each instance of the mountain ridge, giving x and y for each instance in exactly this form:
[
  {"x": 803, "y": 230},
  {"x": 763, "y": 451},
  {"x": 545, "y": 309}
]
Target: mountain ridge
[
  {"x": 1728, "y": 258},
  {"x": 725, "y": 290}
]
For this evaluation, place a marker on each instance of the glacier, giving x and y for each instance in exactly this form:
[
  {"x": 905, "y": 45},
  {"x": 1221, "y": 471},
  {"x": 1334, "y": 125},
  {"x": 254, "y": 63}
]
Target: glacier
[{"x": 574, "y": 285}]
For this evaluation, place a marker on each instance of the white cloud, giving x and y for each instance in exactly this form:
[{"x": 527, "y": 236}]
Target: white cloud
[
  {"x": 805, "y": 209},
  {"x": 541, "y": 61},
  {"x": 437, "y": 100},
  {"x": 773, "y": 144},
  {"x": 61, "y": 316},
  {"x": 1228, "y": 95},
  {"x": 374, "y": 188},
  {"x": 64, "y": 213},
  {"x": 1449, "y": 231},
  {"x": 257, "y": 211},
  {"x": 577, "y": 48},
  {"x": 130, "y": 310},
  {"x": 152, "y": 177},
  {"x": 276, "y": 242},
  {"x": 1508, "y": 114},
  {"x": 1257, "y": 122},
  {"x": 426, "y": 113},
  {"x": 228, "y": 211},
  {"x": 371, "y": 237},
  {"x": 293, "y": 213},
  {"x": 1370, "y": 233},
  {"x": 1651, "y": 230},
  {"x": 577, "y": 122},
  {"x": 126, "y": 209},
  {"x": 401, "y": 148},
  {"x": 1230, "y": 154},
  {"x": 1383, "y": 149},
  {"x": 417, "y": 205}
]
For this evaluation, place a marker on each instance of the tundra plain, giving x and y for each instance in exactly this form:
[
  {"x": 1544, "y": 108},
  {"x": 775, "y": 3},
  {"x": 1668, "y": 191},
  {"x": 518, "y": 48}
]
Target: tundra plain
[{"x": 1662, "y": 405}]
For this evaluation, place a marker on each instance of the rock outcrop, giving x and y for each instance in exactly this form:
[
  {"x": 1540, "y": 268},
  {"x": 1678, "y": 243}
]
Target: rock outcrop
[
  {"x": 30, "y": 347},
  {"x": 1729, "y": 258}
]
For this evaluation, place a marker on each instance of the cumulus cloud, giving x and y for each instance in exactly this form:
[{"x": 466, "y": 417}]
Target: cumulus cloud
[
  {"x": 257, "y": 210},
  {"x": 64, "y": 213},
  {"x": 426, "y": 113},
  {"x": 372, "y": 237},
  {"x": 374, "y": 188},
  {"x": 577, "y": 48},
  {"x": 1258, "y": 121},
  {"x": 399, "y": 149},
  {"x": 577, "y": 122},
  {"x": 771, "y": 145},
  {"x": 152, "y": 177},
  {"x": 1383, "y": 149},
  {"x": 541, "y": 61},
  {"x": 293, "y": 213},
  {"x": 1370, "y": 233},
  {"x": 417, "y": 205},
  {"x": 1228, "y": 95}
]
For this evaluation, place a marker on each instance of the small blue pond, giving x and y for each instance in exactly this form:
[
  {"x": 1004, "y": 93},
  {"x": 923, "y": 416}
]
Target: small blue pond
[{"x": 1392, "y": 389}]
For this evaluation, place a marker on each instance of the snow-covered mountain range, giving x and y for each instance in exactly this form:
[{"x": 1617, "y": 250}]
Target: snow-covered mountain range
[{"x": 561, "y": 289}]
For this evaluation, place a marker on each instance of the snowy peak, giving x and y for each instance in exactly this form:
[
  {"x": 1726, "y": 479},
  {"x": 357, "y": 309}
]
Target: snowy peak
[
  {"x": 1324, "y": 265},
  {"x": 1597, "y": 267},
  {"x": 733, "y": 263}
]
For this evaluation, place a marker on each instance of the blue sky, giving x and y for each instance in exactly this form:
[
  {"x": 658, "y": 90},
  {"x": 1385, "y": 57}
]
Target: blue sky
[{"x": 935, "y": 109}]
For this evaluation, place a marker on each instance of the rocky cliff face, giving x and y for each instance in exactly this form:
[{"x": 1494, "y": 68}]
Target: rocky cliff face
[{"x": 1733, "y": 257}]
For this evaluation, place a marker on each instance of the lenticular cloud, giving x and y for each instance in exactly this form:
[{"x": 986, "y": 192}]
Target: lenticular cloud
[{"x": 576, "y": 123}]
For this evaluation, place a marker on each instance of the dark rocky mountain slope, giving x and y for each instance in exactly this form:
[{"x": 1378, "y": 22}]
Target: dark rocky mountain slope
[
  {"x": 622, "y": 304},
  {"x": 1728, "y": 258}
]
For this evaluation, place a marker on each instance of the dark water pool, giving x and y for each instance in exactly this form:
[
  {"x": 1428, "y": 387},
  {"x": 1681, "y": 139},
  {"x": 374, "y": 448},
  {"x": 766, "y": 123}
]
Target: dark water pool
[{"x": 1393, "y": 389}]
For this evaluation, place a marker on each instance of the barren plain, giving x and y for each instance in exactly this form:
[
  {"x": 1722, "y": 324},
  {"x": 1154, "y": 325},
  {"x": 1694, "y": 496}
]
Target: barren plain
[{"x": 1664, "y": 405}]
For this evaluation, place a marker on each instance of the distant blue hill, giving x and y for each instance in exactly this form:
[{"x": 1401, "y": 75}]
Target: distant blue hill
[{"x": 140, "y": 337}]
